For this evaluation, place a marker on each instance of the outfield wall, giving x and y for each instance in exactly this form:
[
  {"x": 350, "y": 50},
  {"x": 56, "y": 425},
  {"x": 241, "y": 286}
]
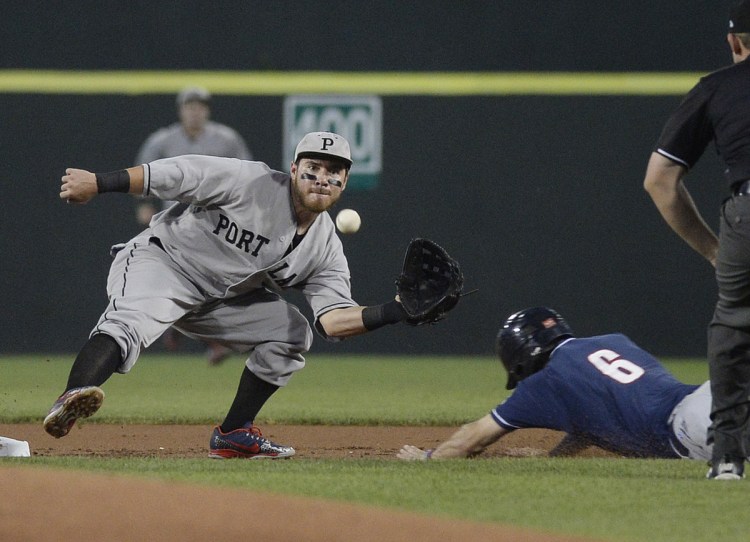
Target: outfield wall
[
  {"x": 540, "y": 198},
  {"x": 538, "y": 195}
]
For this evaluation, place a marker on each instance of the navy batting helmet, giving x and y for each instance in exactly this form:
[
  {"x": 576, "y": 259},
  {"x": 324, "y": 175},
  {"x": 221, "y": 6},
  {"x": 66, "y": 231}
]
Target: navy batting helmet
[{"x": 526, "y": 340}]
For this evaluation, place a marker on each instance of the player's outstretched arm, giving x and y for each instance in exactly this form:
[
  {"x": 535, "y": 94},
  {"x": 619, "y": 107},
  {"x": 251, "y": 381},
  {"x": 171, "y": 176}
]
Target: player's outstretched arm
[
  {"x": 470, "y": 440},
  {"x": 356, "y": 320},
  {"x": 80, "y": 185},
  {"x": 429, "y": 286},
  {"x": 343, "y": 322}
]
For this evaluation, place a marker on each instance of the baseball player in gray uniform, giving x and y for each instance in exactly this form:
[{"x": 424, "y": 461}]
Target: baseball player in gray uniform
[
  {"x": 195, "y": 133},
  {"x": 214, "y": 266}
]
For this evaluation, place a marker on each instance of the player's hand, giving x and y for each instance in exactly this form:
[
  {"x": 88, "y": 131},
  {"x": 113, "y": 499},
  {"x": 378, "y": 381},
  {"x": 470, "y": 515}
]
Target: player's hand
[
  {"x": 411, "y": 453},
  {"x": 78, "y": 186}
]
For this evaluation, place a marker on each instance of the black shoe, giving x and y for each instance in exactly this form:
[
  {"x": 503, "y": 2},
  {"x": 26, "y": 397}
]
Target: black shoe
[{"x": 727, "y": 470}]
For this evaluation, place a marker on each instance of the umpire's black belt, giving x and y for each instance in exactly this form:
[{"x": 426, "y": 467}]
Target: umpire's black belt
[{"x": 741, "y": 188}]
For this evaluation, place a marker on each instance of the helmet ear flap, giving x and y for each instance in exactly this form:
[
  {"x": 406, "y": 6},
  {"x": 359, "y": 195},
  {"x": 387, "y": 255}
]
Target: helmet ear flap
[
  {"x": 526, "y": 340},
  {"x": 515, "y": 375}
]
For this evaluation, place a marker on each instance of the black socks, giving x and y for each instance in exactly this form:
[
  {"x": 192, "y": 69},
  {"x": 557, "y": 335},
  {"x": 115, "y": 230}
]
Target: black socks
[
  {"x": 252, "y": 394},
  {"x": 99, "y": 358}
]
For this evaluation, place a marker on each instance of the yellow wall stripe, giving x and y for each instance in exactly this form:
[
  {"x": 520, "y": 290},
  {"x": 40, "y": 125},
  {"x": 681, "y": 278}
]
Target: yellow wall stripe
[{"x": 381, "y": 83}]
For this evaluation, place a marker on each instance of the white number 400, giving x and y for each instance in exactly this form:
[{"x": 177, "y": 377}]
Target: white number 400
[{"x": 617, "y": 368}]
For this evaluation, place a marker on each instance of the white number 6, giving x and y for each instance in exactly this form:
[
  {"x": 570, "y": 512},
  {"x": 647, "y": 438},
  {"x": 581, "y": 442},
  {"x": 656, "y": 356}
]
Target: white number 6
[{"x": 617, "y": 368}]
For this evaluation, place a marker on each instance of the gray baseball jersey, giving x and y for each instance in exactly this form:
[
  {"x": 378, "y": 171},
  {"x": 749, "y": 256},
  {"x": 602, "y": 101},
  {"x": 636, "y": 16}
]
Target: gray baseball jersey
[
  {"x": 215, "y": 140},
  {"x": 214, "y": 265}
]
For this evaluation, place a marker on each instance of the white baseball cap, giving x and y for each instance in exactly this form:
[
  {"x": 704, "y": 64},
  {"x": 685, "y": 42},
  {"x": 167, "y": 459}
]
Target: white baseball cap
[{"x": 324, "y": 144}]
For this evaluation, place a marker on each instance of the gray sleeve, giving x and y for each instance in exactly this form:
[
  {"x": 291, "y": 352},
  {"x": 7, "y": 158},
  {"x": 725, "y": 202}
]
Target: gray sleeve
[
  {"x": 329, "y": 288},
  {"x": 193, "y": 178}
]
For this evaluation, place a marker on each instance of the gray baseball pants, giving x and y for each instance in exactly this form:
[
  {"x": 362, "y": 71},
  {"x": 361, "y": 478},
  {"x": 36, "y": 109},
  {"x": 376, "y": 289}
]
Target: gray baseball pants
[
  {"x": 148, "y": 293},
  {"x": 690, "y": 420}
]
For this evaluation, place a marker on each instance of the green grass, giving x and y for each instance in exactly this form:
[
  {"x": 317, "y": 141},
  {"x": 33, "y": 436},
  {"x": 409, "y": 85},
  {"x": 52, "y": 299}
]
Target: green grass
[
  {"x": 350, "y": 390},
  {"x": 353, "y": 390},
  {"x": 610, "y": 499}
]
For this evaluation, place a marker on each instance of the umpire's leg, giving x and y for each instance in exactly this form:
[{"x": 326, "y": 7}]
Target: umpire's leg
[
  {"x": 729, "y": 335},
  {"x": 729, "y": 371}
]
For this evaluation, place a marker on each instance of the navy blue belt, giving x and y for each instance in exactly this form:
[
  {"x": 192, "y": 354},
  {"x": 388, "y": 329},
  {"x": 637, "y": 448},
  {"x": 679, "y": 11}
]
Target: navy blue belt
[{"x": 678, "y": 446}]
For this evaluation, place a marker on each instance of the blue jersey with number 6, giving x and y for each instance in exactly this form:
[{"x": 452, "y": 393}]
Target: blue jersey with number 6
[{"x": 604, "y": 389}]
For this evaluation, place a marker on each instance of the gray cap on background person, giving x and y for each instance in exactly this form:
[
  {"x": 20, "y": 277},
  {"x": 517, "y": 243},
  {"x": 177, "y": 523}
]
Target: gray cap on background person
[
  {"x": 193, "y": 94},
  {"x": 739, "y": 17}
]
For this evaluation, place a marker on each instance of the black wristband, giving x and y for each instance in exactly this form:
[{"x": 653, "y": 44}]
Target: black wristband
[
  {"x": 114, "y": 181},
  {"x": 381, "y": 315}
]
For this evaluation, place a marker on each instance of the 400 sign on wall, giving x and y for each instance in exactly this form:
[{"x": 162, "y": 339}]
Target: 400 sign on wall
[{"x": 357, "y": 118}]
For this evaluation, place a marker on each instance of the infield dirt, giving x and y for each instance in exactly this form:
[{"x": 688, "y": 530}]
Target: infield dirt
[{"x": 41, "y": 504}]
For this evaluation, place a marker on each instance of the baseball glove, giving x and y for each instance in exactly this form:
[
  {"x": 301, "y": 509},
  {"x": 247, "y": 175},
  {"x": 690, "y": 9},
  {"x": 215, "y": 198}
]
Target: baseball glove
[{"x": 430, "y": 282}]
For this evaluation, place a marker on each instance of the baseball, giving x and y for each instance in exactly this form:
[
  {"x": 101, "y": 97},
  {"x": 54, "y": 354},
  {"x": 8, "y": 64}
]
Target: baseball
[{"x": 348, "y": 221}]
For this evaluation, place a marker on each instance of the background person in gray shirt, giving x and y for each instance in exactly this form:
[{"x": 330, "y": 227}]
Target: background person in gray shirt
[{"x": 195, "y": 133}]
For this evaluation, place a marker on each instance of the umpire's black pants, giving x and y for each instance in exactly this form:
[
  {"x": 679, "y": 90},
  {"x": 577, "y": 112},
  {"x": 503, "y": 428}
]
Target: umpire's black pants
[{"x": 729, "y": 335}]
